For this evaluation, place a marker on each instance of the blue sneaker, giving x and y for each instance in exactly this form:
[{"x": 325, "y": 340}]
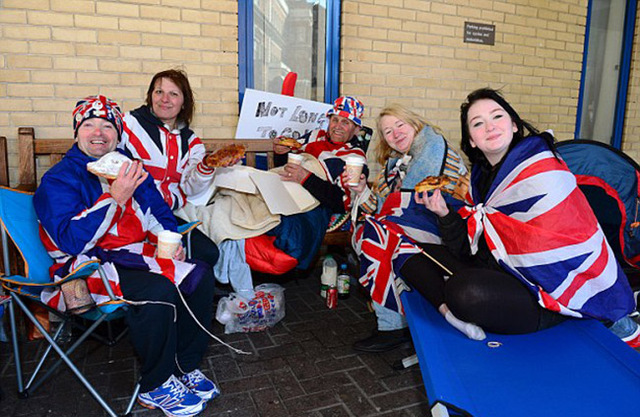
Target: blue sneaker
[
  {"x": 173, "y": 398},
  {"x": 200, "y": 385}
]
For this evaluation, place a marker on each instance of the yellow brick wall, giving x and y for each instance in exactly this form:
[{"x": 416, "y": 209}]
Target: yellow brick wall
[
  {"x": 412, "y": 52},
  {"x": 631, "y": 131},
  {"x": 53, "y": 52}
]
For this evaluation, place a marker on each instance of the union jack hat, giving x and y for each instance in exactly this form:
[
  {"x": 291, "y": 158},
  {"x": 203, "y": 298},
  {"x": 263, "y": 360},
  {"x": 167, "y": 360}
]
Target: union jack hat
[
  {"x": 349, "y": 107},
  {"x": 97, "y": 107}
]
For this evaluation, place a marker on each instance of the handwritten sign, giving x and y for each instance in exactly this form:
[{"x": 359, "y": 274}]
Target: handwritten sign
[
  {"x": 479, "y": 33},
  {"x": 267, "y": 115}
]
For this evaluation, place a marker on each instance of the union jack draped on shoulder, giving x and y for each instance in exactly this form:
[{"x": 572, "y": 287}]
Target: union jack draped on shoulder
[{"x": 540, "y": 227}]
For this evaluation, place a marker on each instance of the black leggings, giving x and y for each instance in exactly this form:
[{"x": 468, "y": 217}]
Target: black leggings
[
  {"x": 494, "y": 300},
  {"x": 166, "y": 343}
]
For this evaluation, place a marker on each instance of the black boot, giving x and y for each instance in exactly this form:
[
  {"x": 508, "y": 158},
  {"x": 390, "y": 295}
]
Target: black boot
[{"x": 382, "y": 341}]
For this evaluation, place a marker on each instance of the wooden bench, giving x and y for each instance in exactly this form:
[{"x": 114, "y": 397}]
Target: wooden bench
[{"x": 31, "y": 149}]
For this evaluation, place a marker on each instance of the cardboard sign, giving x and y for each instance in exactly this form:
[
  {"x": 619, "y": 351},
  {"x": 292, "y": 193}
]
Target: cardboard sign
[{"x": 267, "y": 115}]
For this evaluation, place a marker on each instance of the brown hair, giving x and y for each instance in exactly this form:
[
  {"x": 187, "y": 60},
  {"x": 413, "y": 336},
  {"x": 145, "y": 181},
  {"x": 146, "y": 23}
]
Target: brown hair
[{"x": 179, "y": 78}]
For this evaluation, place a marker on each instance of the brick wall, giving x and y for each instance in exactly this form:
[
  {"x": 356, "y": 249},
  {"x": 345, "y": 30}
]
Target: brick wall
[
  {"x": 53, "y": 52},
  {"x": 631, "y": 131},
  {"x": 412, "y": 51}
]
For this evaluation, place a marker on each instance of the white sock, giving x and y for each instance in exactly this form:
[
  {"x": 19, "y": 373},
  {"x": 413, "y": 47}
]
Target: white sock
[{"x": 470, "y": 330}]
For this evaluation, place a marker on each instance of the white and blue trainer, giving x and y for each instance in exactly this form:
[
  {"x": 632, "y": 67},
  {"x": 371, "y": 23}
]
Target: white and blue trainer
[
  {"x": 173, "y": 398},
  {"x": 200, "y": 385}
]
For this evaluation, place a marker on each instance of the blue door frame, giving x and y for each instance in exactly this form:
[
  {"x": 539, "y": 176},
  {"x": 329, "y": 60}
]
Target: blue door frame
[
  {"x": 245, "y": 49},
  {"x": 625, "y": 67}
]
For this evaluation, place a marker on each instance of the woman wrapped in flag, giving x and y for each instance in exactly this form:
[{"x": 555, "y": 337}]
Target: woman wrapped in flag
[
  {"x": 526, "y": 251},
  {"x": 409, "y": 149}
]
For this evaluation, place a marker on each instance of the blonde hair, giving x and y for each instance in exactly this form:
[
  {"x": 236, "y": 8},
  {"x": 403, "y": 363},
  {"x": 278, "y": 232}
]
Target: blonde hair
[{"x": 382, "y": 151}]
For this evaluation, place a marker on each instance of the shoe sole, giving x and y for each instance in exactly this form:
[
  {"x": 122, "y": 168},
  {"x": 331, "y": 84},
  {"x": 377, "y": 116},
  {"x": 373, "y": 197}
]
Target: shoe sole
[
  {"x": 207, "y": 397},
  {"x": 166, "y": 413}
]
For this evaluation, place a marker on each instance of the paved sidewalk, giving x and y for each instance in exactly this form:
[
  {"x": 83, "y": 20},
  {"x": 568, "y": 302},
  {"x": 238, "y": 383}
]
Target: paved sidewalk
[{"x": 304, "y": 366}]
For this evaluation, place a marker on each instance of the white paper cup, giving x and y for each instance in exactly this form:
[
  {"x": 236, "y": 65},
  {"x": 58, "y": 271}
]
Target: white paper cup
[
  {"x": 354, "y": 166},
  {"x": 168, "y": 243},
  {"x": 295, "y": 158}
]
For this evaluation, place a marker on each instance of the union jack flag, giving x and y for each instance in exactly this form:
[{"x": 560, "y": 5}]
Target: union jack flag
[
  {"x": 387, "y": 240},
  {"x": 123, "y": 238},
  {"x": 540, "y": 227},
  {"x": 135, "y": 256}
]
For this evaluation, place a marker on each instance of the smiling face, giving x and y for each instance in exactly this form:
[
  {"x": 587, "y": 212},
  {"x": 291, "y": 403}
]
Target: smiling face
[
  {"x": 97, "y": 137},
  {"x": 397, "y": 133},
  {"x": 166, "y": 101},
  {"x": 342, "y": 129},
  {"x": 491, "y": 129}
]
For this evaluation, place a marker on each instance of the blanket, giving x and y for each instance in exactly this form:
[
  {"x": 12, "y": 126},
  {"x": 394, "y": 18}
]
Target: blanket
[{"x": 237, "y": 215}]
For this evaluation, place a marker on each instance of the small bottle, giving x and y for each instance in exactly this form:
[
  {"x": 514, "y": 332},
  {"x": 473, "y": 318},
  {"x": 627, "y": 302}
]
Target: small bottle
[
  {"x": 329, "y": 275},
  {"x": 344, "y": 282}
]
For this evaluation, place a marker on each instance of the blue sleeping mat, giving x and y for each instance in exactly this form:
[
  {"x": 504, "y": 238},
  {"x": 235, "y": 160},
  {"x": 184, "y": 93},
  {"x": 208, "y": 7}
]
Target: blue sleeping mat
[{"x": 577, "y": 368}]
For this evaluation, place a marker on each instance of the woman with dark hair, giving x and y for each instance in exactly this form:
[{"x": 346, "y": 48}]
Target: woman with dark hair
[
  {"x": 526, "y": 251},
  {"x": 159, "y": 135}
]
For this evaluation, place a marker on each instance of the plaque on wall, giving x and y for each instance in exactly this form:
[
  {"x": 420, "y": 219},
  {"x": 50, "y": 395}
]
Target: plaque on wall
[{"x": 481, "y": 33}]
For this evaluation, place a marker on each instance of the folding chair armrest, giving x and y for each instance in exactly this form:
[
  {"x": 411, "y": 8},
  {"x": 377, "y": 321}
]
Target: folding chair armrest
[
  {"x": 186, "y": 228},
  {"x": 84, "y": 270},
  {"x": 105, "y": 282}
]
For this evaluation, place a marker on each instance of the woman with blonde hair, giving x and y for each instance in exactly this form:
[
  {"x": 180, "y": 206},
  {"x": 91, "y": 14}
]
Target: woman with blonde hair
[{"x": 409, "y": 149}]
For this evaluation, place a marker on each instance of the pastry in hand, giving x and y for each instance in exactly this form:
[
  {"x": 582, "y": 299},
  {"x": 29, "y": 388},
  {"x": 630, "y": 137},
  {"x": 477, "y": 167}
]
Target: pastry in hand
[
  {"x": 290, "y": 142},
  {"x": 109, "y": 165},
  {"x": 225, "y": 156},
  {"x": 432, "y": 183}
]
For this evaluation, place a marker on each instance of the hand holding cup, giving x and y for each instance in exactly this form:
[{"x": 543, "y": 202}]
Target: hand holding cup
[
  {"x": 168, "y": 244},
  {"x": 353, "y": 168}
]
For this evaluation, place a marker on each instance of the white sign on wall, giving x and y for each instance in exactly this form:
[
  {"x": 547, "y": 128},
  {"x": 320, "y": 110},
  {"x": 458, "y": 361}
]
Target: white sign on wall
[{"x": 267, "y": 115}]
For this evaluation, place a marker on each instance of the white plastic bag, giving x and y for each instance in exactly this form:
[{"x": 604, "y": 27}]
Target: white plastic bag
[{"x": 245, "y": 312}]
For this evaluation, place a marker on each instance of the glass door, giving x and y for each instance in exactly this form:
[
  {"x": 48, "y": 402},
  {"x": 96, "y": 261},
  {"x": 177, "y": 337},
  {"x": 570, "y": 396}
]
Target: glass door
[
  {"x": 282, "y": 36},
  {"x": 605, "y": 73}
]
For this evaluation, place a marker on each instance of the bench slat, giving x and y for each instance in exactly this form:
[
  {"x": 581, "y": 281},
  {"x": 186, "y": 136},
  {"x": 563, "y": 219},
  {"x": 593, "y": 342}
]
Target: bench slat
[{"x": 29, "y": 148}]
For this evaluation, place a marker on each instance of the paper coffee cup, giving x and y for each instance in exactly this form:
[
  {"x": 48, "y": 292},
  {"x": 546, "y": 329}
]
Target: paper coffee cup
[
  {"x": 295, "y": 158},
  {"x": 354, "y": 166},
  {"x": 168, "y": 243}
]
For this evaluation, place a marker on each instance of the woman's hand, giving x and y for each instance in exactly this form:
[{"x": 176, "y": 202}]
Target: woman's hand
[
  {"x": 125, "y": 184},
  {"x": 294, "y": 173},
  {"x": 279, "y": 149},
  {"x": 435, "y": 203},
  {"x": 359, "y": 188}
]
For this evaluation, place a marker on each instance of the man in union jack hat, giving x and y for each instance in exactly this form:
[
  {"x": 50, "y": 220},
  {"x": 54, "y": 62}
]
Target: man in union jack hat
[
  {"x": 331, "y": 148},
  {"x": 322, "y": 173}
]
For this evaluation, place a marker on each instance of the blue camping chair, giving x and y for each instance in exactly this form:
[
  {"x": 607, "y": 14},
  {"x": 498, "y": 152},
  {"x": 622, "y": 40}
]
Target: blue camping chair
[{"x": 20, "y": 225}]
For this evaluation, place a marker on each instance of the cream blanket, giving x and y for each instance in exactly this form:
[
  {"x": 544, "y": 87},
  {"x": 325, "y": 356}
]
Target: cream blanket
[{"x": 232, "y": 214}]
